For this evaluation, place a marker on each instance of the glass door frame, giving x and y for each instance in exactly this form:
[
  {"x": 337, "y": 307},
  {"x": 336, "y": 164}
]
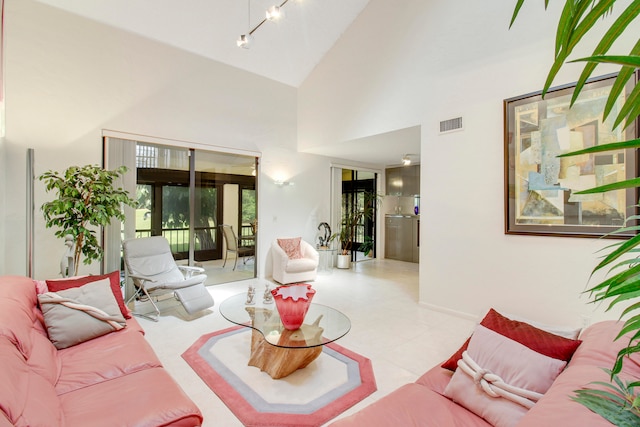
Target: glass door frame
[
  {"x": 113, "y": 157},
  {"x": 336, "y": 201}
]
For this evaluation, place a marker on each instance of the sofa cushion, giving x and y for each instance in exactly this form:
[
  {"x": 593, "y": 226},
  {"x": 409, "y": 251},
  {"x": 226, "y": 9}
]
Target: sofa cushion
[
  {"x": 105, "y": 358},
  {"x": 149, "y": 397},
  {"x": 515, "y": 364},
  {"x": 536, "y": 339},
  {"x": 413, "y": 405},
  {"x": 291, "y": 247},
  {"x": 71, "y": 325},
  {"x": 74, "y": 282},
  {"x": 436, "y": 379}
]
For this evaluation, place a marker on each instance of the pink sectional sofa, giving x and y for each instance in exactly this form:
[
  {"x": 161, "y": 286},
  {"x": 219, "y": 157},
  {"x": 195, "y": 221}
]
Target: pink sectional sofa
[
  {"x": 423, "y": 403},
  {"x": 112, "y": 380}
]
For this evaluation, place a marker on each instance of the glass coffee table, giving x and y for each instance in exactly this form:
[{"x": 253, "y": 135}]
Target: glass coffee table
[{"x": 279, "y": 351}]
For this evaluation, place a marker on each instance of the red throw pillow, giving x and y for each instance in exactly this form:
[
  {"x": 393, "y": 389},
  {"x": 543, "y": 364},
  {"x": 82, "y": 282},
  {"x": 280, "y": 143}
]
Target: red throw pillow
[
  {"x": 114, "y": 280},
  {"x": 543, "y": 342}
]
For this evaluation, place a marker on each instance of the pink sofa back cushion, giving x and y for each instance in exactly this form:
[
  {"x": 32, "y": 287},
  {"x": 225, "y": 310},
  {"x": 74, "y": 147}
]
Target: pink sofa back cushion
[
  {"x": 598, "y": 350},
  {"x": 30, "y": 366}
]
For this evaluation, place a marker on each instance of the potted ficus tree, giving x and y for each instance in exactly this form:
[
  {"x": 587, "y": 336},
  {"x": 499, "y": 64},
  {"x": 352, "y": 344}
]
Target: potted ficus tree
[
  {"x": 617, "y": 401},
  {"x": 85, "y": 199}
]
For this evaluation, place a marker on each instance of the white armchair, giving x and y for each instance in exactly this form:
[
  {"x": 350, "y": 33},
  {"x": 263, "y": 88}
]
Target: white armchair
[{"x": 294, "y": 261}]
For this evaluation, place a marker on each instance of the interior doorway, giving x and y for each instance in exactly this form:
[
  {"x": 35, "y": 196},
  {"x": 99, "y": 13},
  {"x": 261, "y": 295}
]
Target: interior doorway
[{"x": 350, "y": 189}]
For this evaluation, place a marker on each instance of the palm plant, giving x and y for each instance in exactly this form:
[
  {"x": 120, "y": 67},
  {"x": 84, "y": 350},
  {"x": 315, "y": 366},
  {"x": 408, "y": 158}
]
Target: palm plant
[
  {"x": 352, "y": 218},
  {"x": 622, "y": 283}
]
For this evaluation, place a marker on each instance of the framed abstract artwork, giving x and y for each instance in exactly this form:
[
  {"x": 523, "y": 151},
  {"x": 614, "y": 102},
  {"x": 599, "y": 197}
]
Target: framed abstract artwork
[{"x": 540, "y": 188}]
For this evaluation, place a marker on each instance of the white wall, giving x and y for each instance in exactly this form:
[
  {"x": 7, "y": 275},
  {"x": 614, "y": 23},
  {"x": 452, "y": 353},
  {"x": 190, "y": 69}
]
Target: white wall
[
  {"x": 68, "y": 78},
  {"x": 3, "y": 186},
  {"x": 413, "y": 62}
]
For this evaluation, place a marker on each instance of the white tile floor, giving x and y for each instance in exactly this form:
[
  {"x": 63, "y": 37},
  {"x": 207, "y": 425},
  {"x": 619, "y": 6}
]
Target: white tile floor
[{"x": 402, "y": 338}]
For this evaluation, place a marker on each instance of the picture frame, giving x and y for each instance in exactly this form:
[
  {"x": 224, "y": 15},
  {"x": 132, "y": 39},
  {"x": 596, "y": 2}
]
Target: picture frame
[{"x": 539, "y": 187}]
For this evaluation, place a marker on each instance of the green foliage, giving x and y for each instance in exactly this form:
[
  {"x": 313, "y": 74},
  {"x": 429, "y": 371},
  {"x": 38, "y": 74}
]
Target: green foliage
[
  {"x": 616, "y": 402},
  {"x": 577, "y": 19},
  {"x": 353, "y": 216},
  {"x": 85, "y": 199},
  {"x": 175, "y": 206},
  {"x": 367, "y": 245},
  {"x": 622, "y": 286},
  {"x": 248, "y": 206}
]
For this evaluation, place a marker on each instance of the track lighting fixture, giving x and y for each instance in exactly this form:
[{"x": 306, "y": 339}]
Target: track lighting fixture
[{"x": 274, "y": 13}]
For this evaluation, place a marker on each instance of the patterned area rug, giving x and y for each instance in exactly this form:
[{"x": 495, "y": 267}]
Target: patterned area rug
[{"x": 335, "y": 381}]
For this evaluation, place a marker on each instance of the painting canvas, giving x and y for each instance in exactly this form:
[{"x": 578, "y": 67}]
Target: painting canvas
[{"x": 540, "y": 188}]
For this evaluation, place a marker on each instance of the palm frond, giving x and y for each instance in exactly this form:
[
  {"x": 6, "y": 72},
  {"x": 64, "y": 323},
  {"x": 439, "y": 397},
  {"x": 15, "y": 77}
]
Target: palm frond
[{"x": 614, "y": 32}]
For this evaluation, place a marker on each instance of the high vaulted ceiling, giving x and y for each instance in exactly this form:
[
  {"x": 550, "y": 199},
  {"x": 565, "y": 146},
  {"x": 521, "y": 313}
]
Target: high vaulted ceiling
[{"x": 285, "y": 51}]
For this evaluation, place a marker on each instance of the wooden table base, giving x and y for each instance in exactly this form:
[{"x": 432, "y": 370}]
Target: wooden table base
[{"x": 277, "y": 361}]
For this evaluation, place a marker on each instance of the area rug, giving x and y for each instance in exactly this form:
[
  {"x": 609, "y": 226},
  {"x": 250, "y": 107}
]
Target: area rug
[{"x": 335, "y": 381}]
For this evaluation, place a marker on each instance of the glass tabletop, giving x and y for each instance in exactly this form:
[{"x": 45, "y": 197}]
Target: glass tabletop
[{"x": 322, "y": 324}]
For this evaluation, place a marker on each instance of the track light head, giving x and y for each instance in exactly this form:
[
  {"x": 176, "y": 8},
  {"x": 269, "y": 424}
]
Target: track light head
[
  {"x": 274, "y": 13},
  {"x": 244, "y": 41}
]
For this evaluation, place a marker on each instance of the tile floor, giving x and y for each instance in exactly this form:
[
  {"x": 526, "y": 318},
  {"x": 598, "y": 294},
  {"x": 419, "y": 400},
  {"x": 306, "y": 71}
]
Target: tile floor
[{"x": 402, "y": 338}]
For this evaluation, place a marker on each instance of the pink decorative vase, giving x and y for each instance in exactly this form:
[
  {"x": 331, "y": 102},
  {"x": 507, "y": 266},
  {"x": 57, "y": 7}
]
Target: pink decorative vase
[{"x": 293, "y": 303}]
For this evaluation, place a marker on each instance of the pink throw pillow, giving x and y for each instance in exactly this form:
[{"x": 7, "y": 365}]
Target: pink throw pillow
[
  {"x": 291, "y": 247},
  {"x": 514, "y": 363},
  {"x": 536, "y": 339},
  {"x": 75, "y": 282}
]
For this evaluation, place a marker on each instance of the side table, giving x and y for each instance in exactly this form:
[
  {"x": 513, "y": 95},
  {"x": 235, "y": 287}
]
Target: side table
[{"x": 327, "y": 256}]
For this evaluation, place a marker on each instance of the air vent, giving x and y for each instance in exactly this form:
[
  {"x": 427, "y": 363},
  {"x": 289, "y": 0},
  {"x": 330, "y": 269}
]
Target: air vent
[{"x": 451, "y": 125}]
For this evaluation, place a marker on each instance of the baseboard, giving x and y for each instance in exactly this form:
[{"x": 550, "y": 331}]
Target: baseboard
[{"x": 446, "y": 310}]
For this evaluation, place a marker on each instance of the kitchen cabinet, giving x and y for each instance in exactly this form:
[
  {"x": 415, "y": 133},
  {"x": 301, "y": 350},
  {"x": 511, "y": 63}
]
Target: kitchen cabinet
[
  {"x": 403, "y": 181},
  {"x": 401, "y": 238}
]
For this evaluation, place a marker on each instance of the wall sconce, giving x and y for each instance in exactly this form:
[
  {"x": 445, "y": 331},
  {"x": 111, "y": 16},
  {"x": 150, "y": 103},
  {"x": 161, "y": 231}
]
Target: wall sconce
[{"x": 281, "y": 183}]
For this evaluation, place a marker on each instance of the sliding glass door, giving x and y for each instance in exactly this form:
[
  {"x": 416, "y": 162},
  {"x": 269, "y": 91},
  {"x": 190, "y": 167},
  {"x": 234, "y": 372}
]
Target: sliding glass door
[{"x": 184, "y": 194}]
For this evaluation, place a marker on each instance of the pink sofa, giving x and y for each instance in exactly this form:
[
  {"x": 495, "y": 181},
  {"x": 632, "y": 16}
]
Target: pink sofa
[
  {"x": 423, "y": 403},
  {"x": 113, "y": 380}
]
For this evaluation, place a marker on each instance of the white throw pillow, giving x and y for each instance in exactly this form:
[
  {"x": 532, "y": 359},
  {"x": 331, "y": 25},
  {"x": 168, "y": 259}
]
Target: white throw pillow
[{"x": 70, "y": 326}]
